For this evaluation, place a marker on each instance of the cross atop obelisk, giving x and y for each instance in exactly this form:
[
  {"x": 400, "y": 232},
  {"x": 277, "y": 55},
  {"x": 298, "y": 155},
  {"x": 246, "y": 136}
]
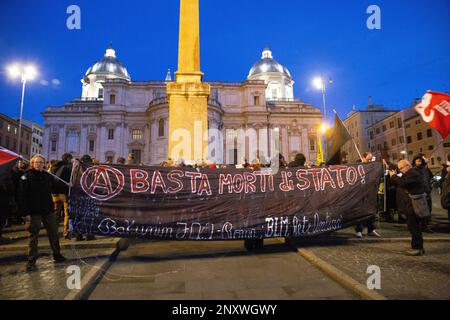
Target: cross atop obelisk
[{"x": 188, "y": 96}]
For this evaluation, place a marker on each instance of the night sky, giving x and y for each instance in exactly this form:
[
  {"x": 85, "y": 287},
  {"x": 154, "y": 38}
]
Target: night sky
[{"x": 409, "y": 55}]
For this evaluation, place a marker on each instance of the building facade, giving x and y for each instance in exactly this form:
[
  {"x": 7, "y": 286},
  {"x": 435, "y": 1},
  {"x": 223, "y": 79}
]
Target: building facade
[
  {"x": 9, "y": 131},
  {"x": 388, "y": 137},
  {"x": 37, "y": 134},
  {"x": 358, "y": 124},
  {"x": 403, "y": 135},
  {"x": 421, "y": 138},
  {"x": 116, "y": 116}
]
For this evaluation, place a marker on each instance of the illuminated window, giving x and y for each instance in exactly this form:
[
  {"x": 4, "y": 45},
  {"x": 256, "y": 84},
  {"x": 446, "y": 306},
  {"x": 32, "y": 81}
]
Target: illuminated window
[{"x": 136, "y": 134}]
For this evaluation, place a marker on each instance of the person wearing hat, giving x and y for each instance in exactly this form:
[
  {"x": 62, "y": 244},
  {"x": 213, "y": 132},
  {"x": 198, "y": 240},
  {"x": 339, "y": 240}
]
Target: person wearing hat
[{"x": 445, "y": 195}]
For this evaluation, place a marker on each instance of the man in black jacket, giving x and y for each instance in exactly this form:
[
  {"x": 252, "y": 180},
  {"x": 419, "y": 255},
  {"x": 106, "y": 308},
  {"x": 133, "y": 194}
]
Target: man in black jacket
[
  {"x": 420, "y": 162},
  {"x": 36, "y": 198},
  {"x": 410, "y": 182},
  {"x": 60, "y": 191}
]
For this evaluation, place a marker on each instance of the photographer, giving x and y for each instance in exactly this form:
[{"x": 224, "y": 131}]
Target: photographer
[{"x": 410, "y": 183}]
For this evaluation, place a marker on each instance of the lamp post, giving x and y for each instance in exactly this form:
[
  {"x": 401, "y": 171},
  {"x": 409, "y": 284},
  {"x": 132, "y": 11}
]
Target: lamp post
[
  {"x": 319, "y": 83},
  {"x": 25, "y": 72}
]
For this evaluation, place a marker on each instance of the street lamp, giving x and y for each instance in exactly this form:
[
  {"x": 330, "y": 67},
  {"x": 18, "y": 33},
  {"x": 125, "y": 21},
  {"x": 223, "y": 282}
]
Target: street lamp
[
  {"x": 319, "y": 83},
  {"x": 25, "y": 72}
]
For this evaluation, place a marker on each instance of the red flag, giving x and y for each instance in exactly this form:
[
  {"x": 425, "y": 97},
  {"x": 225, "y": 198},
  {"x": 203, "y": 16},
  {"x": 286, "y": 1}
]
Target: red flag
[
  {"x": 7, "y": 156},
  {"x": 435, "y": 110}
]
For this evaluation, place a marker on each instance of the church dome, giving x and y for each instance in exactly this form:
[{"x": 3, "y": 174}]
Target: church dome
[
  {"x": 109, "y": 66},
  {"x": 268, "y": 64}
]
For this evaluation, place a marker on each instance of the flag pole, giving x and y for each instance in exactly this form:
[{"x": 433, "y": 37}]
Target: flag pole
[
  {"x": 54, "y": 176},
  {"x": 354, "y": 143}
]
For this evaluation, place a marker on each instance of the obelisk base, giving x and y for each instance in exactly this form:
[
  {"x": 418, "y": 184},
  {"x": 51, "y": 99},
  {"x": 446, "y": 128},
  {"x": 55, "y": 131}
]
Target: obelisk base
[{"x": 188, "y": 114}]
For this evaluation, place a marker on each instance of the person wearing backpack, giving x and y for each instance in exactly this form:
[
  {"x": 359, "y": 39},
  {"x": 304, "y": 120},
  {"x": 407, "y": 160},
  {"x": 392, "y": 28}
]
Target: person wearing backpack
[{"x": 62, "y": 169}]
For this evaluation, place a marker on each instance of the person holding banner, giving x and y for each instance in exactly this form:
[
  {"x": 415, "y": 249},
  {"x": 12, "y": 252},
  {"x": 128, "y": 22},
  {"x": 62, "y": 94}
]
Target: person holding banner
[
  {"x": 369, "y": 223},
  {"x": 63, "y": 170},
  {"x": 299, "y": 161},
  {"x": 409, "y": 183},
  {"x": 36, "y": 198}
]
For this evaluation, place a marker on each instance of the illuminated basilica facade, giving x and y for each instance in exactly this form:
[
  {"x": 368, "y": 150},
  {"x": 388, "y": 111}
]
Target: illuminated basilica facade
[{"x": 117, "y": 116}]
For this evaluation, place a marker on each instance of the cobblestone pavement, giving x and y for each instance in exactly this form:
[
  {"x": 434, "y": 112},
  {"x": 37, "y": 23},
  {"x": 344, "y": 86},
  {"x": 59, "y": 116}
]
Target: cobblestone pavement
[
  {"x": 224, "y": 270},
  {"x": 214, "y": 270},
  {"x": 49, "y": 281},
  {"x": 402, "y": 277}
]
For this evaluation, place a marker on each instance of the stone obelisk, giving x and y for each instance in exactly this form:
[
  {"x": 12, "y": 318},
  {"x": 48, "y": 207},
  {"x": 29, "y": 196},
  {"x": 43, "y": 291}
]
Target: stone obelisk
[{"x": 188, "y": 95}]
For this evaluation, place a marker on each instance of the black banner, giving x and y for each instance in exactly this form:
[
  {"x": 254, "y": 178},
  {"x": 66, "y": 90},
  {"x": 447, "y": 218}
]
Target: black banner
[{"x": 221, "y": 204}]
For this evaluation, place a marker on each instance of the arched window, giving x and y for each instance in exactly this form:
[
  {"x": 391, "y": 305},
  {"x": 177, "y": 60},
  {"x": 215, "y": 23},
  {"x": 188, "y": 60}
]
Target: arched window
[{"x": 161, "y": 128}]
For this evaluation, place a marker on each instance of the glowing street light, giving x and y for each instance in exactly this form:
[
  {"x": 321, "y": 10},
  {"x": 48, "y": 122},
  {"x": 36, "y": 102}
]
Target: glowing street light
[
  {"x": 320, "y": 84},
  {"x": 25, "y": 72},
  {"x": 324, "y": 127}
]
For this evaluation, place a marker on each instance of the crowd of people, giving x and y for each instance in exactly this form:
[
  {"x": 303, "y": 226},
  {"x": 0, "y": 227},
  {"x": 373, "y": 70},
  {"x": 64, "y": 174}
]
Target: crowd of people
[{"x": 37, "y": 193}]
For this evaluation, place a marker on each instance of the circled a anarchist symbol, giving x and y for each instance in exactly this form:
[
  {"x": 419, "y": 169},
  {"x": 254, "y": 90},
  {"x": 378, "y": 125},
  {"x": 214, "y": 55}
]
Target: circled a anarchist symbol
[{"x": 102, "y": 182}]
